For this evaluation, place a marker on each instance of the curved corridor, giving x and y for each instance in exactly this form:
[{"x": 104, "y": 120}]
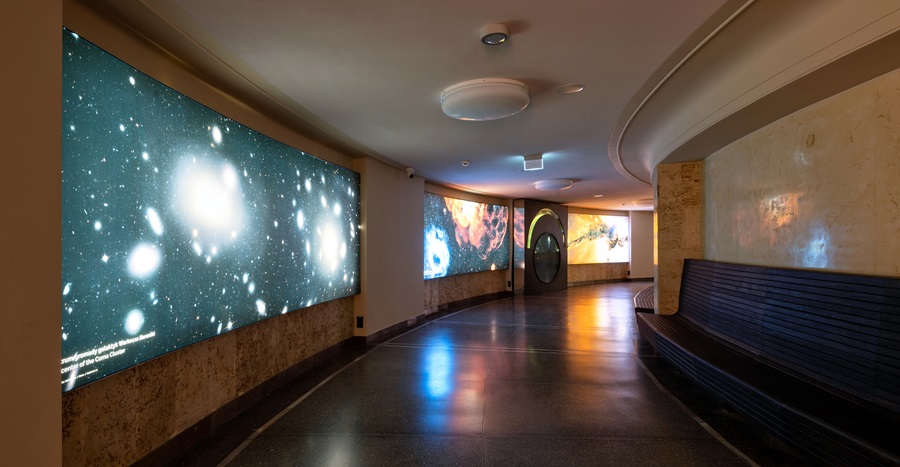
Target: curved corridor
[{"x": 555, "y": 379}]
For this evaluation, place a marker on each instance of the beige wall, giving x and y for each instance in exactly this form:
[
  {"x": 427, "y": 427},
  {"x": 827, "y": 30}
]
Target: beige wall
[
  {"x": 641, "y": 245},
  {"x": 30, "y": 41},
  {"x": 817, "y": 189},
  {"x": 392, "y": 245}
]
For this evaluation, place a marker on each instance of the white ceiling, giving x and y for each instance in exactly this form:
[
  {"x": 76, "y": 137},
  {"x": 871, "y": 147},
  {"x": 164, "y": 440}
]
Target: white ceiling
[{"x": 367, "y": 77}]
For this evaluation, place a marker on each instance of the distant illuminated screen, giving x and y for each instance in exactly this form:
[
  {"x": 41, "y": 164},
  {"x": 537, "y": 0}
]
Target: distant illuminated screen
[
  {"x": 519, "y": 238},
  {"x": 180, "y": 224},
  {"x": 464, "y": 236},
  {"x": 596, "y": 238}
]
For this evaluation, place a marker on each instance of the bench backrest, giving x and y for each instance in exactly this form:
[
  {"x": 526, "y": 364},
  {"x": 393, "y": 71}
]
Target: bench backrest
[{"x": 842, "y": 330}]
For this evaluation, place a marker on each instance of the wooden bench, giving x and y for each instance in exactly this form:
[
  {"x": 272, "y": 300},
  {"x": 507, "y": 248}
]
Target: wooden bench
[
  {"x": 644, "y": 301},
  {"x": 812, "y": 356}
]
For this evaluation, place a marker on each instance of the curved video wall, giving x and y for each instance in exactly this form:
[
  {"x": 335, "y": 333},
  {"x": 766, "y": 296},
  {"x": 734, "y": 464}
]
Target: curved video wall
[
  {"x": 464, "y": 236},
  {"x": 180, "y": 224}
]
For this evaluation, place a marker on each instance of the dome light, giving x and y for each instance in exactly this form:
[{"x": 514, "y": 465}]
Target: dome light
[{"x": 485, "y": 99}]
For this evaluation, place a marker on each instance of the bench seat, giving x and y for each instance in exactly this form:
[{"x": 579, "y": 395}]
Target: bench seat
[
  {"x": 644, "y": 301},
  {"x": 838, "y": 422}
]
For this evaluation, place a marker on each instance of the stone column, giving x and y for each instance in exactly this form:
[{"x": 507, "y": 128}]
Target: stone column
[{"x": 679, "y": 232}]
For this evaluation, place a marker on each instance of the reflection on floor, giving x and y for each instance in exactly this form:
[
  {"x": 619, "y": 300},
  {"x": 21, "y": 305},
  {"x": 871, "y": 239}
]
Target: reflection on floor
[{"x": 556, "y": 379}]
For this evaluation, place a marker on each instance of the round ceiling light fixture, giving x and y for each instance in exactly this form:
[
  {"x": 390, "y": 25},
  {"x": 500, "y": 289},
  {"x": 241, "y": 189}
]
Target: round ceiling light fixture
[
  {"x": 485, "y": 99},
  {"x": 553, "y": 184},
  {"x": 494, "y": 34}
]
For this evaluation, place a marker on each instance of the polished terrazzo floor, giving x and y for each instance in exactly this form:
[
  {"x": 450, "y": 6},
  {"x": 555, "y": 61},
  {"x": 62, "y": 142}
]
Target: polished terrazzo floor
[{"x": 555, "y": 379}]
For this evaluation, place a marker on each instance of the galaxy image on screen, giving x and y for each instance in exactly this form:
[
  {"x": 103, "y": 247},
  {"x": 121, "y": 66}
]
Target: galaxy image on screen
[
  {"x": 519, "y": 238},
  {"x": 464, "y": 236},
  {"x": 597, "y": 238},
  {"x": 180, "y": 224}
]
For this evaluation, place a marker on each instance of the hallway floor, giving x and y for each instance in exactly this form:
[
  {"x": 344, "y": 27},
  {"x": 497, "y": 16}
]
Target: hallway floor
[{"x": 555, "y": 379}]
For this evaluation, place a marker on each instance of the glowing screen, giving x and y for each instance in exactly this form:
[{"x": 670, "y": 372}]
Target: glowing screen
[
  {"x": 596, "y": 238},
  {"x": 519, "y": 238},
  {"x": 180, "y": 224},
  {"x": 464, "y": 236}
]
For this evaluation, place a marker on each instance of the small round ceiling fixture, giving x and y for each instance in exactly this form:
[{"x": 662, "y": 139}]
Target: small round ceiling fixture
[
  {"x": 598, "y": 196},
  {"x": 465, "y": 163},
  {"x": 571, "y": 88},
  {"x": 485, "y": 99},
  {"x": 553, "y": 184},
  {"x": 494, "y": 34}
]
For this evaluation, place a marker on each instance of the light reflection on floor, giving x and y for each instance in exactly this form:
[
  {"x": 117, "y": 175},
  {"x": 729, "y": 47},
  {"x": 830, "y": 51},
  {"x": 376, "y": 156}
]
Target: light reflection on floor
[{"x": 547, "y": 380}]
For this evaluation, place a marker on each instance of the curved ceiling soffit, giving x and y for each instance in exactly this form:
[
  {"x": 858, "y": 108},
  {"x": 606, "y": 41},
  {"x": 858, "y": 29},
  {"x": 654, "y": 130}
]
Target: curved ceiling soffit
[
  {"x": 850, "y": 47},
  {"x": 704, "y": 34}
]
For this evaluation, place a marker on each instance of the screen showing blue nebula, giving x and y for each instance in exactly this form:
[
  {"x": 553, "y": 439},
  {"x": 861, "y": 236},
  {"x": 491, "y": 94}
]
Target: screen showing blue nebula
[
  {"x": 180, "y": 224},
  {"x": 464, "y": 236}
]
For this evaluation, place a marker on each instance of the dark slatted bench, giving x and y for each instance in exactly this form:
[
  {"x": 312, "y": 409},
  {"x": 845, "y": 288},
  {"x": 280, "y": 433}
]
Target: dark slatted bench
[
  {"x": 644, "y": 301},
  {"x": 812, "y": 356}
]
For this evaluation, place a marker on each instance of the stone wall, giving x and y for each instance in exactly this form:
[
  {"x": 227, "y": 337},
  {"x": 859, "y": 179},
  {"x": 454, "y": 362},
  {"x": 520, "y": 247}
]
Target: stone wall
[
  {"x": 121, "y": 418},
  {"x": 584, "y": 274},
  {"x": 817, "y": 189},
  {"x": 679, "y": 210},
  {"x": 444, "y": 290}
]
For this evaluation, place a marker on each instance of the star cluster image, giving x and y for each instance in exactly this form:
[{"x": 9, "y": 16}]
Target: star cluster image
[
  {"x": 464, "y": 236},
  {"x": 180, "y": 224}
]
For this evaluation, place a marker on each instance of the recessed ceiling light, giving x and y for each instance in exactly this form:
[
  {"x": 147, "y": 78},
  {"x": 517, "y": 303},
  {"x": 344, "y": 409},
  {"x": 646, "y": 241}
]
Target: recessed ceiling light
[
  {"x": 572, "y": 88},
  {"x": 598, "y": 196},
  {"x": 494, "y": 34},
  {"x": 465, "y": 163}
]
